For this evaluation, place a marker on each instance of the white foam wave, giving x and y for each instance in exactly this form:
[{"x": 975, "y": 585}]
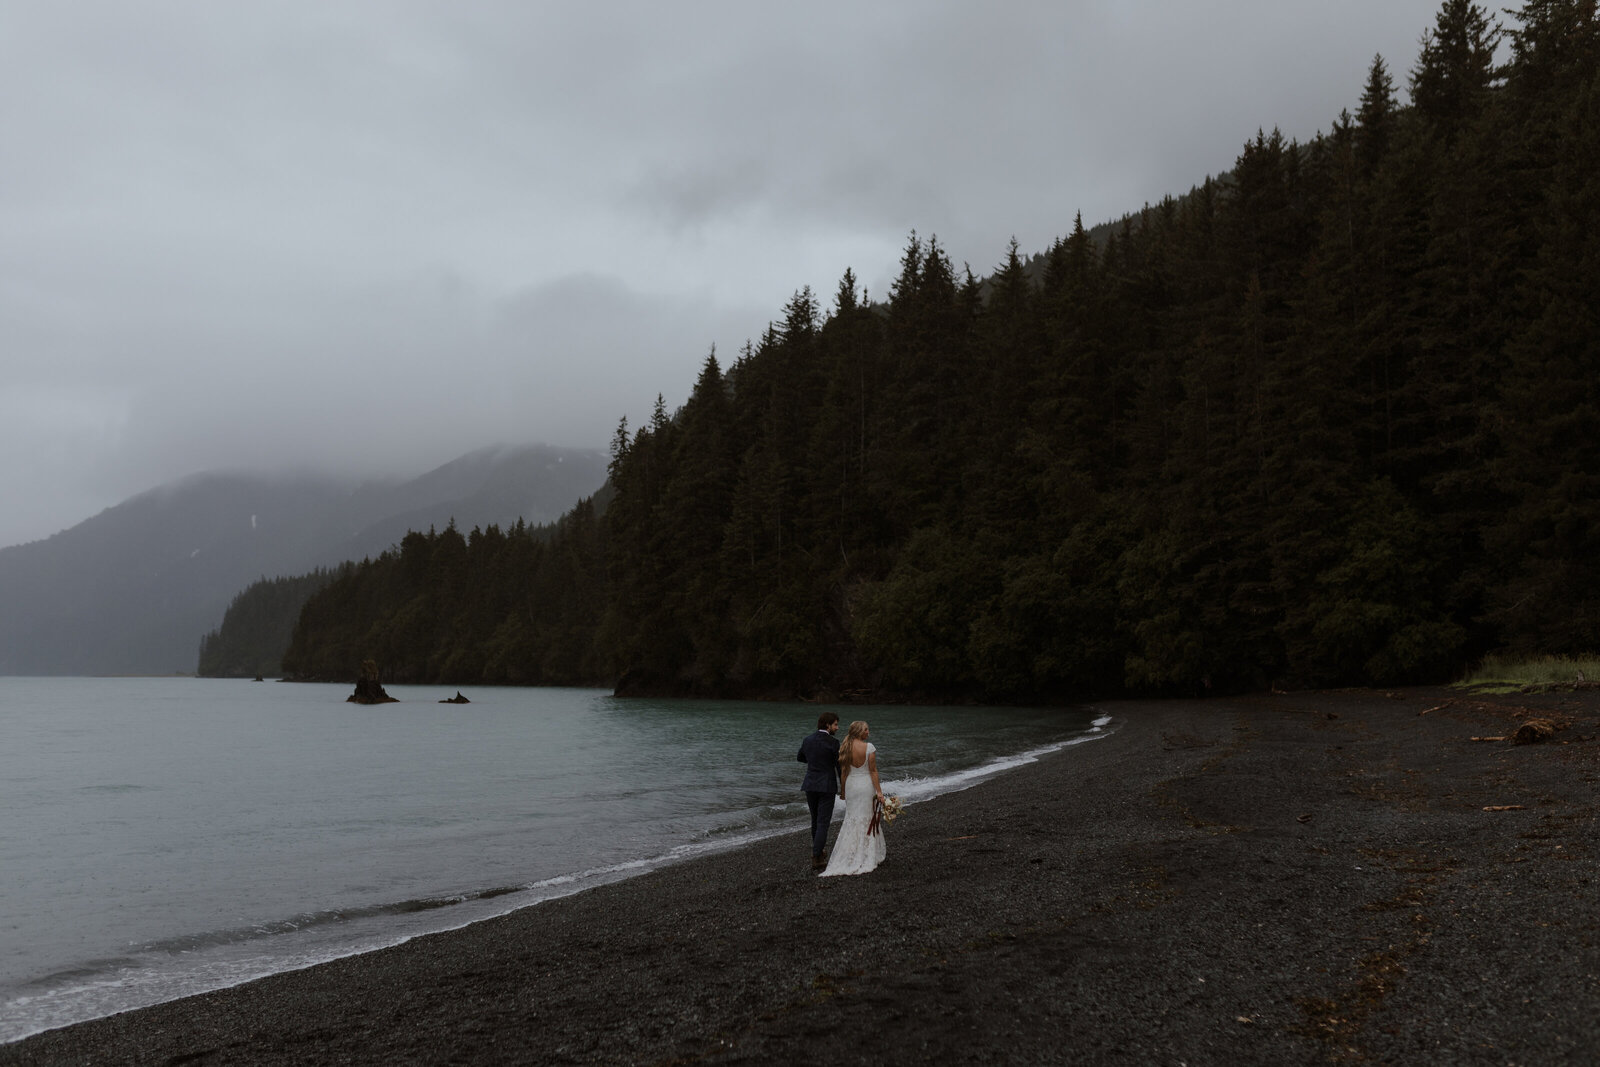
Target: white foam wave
[{"x": 911, "y": 790}]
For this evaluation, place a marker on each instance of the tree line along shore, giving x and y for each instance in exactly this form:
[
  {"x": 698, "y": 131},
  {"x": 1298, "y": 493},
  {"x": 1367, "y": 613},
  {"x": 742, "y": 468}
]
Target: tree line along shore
[{"x": 1330, "y": 418}]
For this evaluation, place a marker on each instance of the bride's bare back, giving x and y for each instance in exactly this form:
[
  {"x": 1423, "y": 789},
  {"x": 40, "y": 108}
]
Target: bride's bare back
[{"x": 859, "y": 846}]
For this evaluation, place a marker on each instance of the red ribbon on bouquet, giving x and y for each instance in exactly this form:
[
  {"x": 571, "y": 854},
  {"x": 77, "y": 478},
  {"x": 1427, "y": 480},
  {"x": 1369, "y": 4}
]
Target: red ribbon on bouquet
[{"x": 877, "y": 812}]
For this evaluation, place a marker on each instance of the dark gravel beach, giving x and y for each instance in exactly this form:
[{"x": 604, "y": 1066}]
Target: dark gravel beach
[{"x": 1280, "y": 879}]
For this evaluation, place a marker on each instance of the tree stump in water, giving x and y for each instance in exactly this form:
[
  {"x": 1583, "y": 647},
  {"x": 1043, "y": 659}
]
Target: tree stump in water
[{"x": 368, "y": 691}]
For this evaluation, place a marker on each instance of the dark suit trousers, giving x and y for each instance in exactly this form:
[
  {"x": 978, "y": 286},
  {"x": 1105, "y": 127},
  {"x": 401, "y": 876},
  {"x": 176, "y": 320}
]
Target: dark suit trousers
[{"x": 821, "y": 814}]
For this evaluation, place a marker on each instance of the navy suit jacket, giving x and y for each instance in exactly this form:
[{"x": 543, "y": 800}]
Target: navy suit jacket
[{"x": 820, "y": 753}]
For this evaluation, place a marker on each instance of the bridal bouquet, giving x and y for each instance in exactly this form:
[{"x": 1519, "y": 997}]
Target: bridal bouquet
[{"x": 883, "y": 811}]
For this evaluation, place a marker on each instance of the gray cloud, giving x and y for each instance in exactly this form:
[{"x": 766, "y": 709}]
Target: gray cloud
[
  {"x": 387, "y": 381},
  {"x": 372, "y": 234}
]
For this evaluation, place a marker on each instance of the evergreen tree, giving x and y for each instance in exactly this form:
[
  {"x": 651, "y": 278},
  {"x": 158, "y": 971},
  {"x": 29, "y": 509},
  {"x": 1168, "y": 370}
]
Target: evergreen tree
[
  {"x": 1376, "y": 118},
  {"x": 1451, "y": 81}
]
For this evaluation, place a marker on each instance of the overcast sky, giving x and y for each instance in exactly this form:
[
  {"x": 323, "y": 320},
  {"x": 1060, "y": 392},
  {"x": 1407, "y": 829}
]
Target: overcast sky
[{"x": 370, "y": 235}]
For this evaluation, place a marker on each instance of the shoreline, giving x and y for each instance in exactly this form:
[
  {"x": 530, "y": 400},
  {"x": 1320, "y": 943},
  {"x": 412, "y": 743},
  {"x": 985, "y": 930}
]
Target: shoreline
[
  {"x": 222, "y": 957},
  {"x": 1302, "y": 877}
]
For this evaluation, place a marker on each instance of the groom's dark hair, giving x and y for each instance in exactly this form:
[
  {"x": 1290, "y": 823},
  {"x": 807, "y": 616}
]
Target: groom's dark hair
[{"x": 825, "y": 718}]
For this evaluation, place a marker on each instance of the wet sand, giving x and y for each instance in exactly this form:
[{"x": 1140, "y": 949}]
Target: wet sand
[{"x": 1300, "y": 878}]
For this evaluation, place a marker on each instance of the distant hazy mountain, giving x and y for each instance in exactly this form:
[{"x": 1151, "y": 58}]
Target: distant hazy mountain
[{"x": 132, "y": 590}]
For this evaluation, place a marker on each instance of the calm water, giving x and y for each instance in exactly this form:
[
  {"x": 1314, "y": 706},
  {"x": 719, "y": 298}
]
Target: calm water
[{"x": 162, "y": 837}]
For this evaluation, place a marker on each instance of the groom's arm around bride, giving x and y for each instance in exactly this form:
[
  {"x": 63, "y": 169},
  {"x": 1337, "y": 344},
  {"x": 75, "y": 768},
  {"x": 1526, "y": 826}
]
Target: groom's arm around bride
[{"x": 820, "y": 753}]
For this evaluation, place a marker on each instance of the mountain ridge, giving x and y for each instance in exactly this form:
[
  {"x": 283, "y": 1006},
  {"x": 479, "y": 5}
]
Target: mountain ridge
[{"x": 132, "y": 589}]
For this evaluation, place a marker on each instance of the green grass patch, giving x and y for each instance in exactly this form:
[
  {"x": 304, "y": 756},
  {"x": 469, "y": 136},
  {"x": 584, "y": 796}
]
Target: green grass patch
[{"x": 1506, "y": 674}]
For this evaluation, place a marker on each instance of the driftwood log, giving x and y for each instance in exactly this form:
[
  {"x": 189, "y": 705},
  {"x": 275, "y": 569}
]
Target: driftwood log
[{"x": 1534, "y": 730}]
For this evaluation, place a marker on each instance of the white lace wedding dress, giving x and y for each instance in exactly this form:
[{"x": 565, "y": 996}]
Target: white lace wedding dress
[{"x": 854, "y": 850}]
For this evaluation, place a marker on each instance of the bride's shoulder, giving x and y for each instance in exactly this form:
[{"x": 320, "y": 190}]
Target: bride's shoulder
[{"x": 871, "y": 748}]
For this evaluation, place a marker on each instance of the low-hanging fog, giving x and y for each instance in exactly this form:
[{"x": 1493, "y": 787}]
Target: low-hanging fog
[{"x": 369, "y": 236}]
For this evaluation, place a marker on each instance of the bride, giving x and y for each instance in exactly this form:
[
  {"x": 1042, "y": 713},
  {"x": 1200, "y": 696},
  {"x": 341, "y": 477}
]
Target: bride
[{"x": 859, "y": 847}]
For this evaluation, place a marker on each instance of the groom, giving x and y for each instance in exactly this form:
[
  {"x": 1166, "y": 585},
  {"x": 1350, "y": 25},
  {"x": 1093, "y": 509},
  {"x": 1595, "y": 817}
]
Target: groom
[{"x": 820, "y": 753}]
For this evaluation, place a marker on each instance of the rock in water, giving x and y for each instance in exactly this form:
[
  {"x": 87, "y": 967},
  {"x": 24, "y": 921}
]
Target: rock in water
[
  {"x": 457, "y": 699},
  {"x": 368, "y": 691}
]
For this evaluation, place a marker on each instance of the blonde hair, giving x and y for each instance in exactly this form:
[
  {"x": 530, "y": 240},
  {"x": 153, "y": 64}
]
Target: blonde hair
[{"x": 847, "y": 749}]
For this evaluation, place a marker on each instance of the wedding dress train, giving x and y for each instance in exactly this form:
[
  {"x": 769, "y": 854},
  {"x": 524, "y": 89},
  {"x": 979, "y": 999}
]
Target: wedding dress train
[{"x": 855, "y": 851}]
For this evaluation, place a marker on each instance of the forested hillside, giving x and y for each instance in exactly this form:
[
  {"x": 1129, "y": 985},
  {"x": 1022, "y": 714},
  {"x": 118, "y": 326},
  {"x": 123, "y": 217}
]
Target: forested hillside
[
  {"x": 131, "y": 590},
  {"x": 518, "y": 607},
  {"x": 1333, "y": 420},
  {"x": 257, "y": 626}
]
